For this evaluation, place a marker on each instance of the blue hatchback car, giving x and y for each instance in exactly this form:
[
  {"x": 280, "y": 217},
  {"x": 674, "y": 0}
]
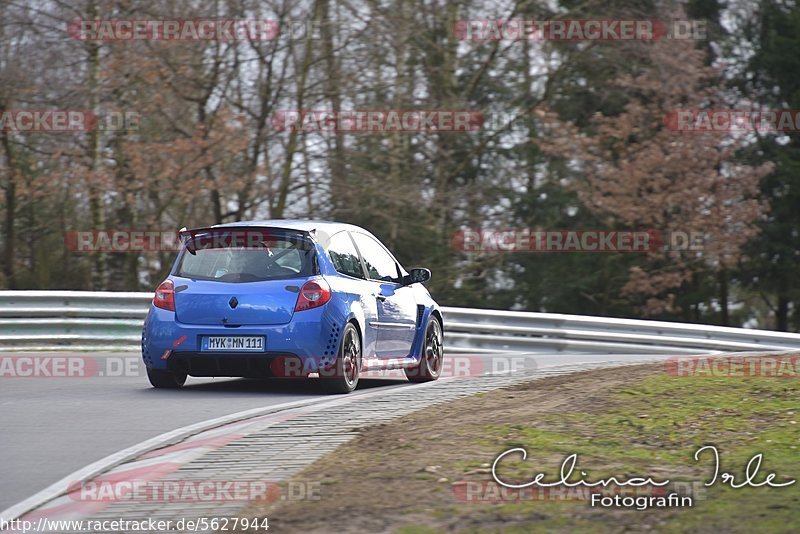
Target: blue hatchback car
[{"x": 290, "y": 298}]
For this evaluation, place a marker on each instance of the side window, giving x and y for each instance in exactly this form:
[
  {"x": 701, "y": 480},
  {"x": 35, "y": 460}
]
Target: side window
[
  {"x": 344, "y": 256},
  {"x": 380, "y": 264}
]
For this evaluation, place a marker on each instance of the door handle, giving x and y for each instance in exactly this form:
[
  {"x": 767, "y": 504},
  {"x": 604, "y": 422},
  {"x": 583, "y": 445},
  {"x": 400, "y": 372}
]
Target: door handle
[{"x": 380, "y": 297}]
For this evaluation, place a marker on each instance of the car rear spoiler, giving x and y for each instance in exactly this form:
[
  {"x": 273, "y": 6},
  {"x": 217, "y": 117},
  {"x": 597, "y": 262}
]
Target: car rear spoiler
[{"x": 187, "y": 237}]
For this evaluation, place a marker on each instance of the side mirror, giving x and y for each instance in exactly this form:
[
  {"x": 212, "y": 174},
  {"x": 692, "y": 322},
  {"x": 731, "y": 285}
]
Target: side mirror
[{"x": 417, "y": 276}]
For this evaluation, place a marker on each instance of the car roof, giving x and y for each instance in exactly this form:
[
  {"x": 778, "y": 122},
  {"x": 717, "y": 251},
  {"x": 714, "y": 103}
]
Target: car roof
[{"x": 321, "y": 230}]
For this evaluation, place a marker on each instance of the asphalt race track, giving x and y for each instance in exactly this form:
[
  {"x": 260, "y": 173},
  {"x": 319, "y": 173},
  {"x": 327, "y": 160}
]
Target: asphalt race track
[{"x": 52, "y": 426}]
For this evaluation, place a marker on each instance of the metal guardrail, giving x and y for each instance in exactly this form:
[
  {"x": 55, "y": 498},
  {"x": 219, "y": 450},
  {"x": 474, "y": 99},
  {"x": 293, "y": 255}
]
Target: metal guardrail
[
  {"x": 78, "y": 320},
  {"x": 81, "y": 320},
  {"x": 469, "y": 329}
]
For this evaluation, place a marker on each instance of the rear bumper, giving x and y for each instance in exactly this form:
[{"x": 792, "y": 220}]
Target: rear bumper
[
  {"x": 311, "y": 336},
  {"x": 261, "y": 365}
]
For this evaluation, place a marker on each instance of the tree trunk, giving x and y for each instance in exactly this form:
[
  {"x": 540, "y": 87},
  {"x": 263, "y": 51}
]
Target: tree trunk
[
  {"x": 722, "y": 277},
  {"x": 339, "y": 190},
  {"x": 782, "y": 314},
  {"x": 93, "y": 154},
  {"x": 291, "y": 147},
  {"x": 11, "y": 204}
]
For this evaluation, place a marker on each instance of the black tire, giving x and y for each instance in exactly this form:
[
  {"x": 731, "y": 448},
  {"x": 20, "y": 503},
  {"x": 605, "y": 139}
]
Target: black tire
[
  {"x": 344, "y": 375},
  {"x": 430, "y": 365},
  {"x": 163, "y": 379}
]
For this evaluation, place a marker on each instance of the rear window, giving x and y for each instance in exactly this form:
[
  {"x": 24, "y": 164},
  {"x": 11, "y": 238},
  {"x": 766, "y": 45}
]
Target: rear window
[{"x": 228, "y": 257}]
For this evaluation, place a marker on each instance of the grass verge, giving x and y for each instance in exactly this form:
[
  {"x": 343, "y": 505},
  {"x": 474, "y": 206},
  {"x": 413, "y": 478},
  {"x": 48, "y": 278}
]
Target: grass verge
[{"x": 409, "y": 476}]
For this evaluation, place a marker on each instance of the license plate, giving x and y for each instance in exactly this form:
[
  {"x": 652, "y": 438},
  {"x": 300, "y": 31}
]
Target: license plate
[{"x": 233, "y": 343}]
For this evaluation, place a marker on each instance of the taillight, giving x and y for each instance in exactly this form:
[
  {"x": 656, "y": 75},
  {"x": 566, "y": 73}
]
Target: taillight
[
  {"x": 165, "y": 296},
  {"x": 313, "y": 294}
]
